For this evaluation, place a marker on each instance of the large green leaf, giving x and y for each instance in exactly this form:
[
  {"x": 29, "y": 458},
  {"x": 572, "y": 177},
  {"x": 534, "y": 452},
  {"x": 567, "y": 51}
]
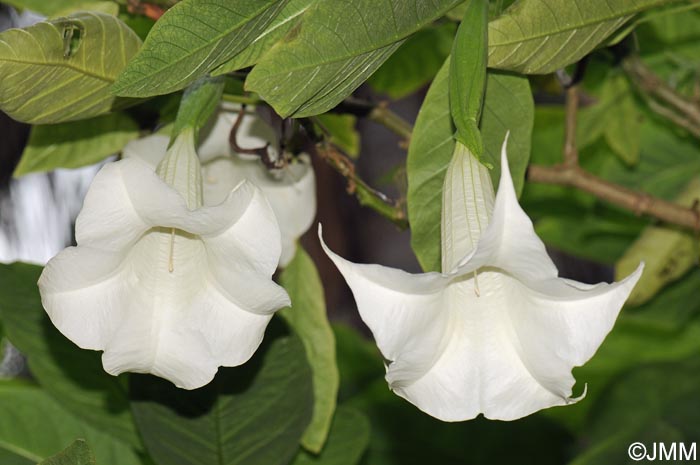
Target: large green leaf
[
  {"x": 347, "y": 440},
  {"x": 282, "y": 24},
  {"x": 508, "y": 106},
  {"x": 308, "y": 319},
  {"x": 78, "y": 453},
  {"x": 670, "y": 415},
  {"x": 415, "y": 63},
  {"x": 541, "y": 36},
  {"x": 33, "y": 426},
  {"x": 61, "y": 70},
  {"x": 252, "y": 414},
  {"x": 190, "y": 40},
  {"x": 337, "y": 45},
  {"x": 73, "y": 376},
  {"x": 75, "y": 144}
]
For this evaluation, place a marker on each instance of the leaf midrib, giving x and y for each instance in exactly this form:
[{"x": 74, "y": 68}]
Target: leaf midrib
[
  {"x": 526, "y": 38},
  {"x": 60, "y": 65}
]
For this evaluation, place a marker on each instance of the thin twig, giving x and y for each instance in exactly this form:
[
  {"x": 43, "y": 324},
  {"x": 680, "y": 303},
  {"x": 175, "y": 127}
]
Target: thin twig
[
  {"x": 655, "y": 88},
  {"x": 367, "y": 196},
  {"x": 387, "y": 118},
  {"x": 637, "y": 202},
  {"x": 570, "y": 149}
]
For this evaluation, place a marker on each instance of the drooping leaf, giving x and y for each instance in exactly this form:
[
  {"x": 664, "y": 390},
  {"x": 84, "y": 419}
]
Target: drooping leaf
[
  {"x": 78, "y": 453},
  {"x": 75, "y": 144},
  {"x": 199, "y": 102},
  {"x": 347, "y": 440},
  {"x": 74, "y": 377},
  {"x": 342, "y": 131},
  {"x": 415, "y": 63},
  {"x": 667, "y": 251},
  {"x": 508, "y": 106},
  {"x": 252, "y": 414},
  {"x": 278, "y": 28},
  {"x": 308, "y": 319},
  {"x": 335, "y": 48},
  {"x": 61, "y": 70},
  {"x": 191, "y": 39},
  {"x": 468, "y": 76},
  {"x": 541, "y": 36},
  {"x": 33, "y": 426}
]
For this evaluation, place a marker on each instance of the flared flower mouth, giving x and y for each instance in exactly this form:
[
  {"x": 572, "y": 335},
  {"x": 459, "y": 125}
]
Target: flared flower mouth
[
  {"x": 497, "y": 332},
  {"x": 159, "y": 282}
]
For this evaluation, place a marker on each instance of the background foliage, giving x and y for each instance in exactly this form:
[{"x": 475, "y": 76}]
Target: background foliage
[{"x": 108, "y": 72}]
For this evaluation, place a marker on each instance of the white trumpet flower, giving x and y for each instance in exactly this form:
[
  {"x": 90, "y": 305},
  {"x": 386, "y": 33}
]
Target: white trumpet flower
[
  {"x": 161, "y": 283},
  {"x": 291, "y": 190},
  {"x": 497, "y": 332}
]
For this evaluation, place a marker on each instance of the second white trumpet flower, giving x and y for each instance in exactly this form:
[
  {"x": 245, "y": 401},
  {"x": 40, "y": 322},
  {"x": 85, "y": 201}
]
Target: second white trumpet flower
[
  {"x": 158, "y": 281},
  {"x": 497, "y": 332}
]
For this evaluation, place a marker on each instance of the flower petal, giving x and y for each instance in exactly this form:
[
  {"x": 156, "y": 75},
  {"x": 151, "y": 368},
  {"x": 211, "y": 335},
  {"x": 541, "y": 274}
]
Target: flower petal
[
  {"x": 403, "y": 310},
  {"x": 253, "y": 132},
  {"x": 510, "y": 241}
]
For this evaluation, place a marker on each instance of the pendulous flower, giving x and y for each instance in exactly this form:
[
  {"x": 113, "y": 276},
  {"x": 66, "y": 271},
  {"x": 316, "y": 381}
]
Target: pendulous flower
[
  {"x": 291, "y": 190},
  {"x": 161, "y": 283},
  {"x": 497, "y": 332}
]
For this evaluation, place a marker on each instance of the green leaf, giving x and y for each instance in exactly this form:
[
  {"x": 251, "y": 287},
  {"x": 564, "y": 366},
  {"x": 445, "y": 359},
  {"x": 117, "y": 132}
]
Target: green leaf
[
  {"x": 343, "y": 132},
  {"x": 33, "y": 426},
  {"x": 61, "y": 70},
  {"x": 415, "y": 63},
  {"x": 468, "y": 75},
  {"x": 198, "y": 103},
  {"x": 508, "y": 106},
  {"x": 278, "y": 28},
  {"x": 75, "y": 144},
  {"x": 252, "y": 414},
  {"x": 359, "y": 361},
  {"x": 74, "y": 377},
  {"x": 403, "y": 435},
  {"x": 191, "y": 39},
  {"x": 667, "y": 251},
  {"x": 347, "y": 440},
  {"x": 57, "y": 7},
  {"x": 308, "y": 319},
  {"x": 334, "y": 49},
  {"x": 107, "y": 7},
  {"x": 670, "y": 413},
  {"x": 78, "y": 453},
  {"x": 541, "y": 36}
]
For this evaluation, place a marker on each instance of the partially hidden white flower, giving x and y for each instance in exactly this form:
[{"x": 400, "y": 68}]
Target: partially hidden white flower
[
  {"x": 291, "y": 190},
  {"x": 161, "y": 283},
  {"x": 497, "y": 332}
]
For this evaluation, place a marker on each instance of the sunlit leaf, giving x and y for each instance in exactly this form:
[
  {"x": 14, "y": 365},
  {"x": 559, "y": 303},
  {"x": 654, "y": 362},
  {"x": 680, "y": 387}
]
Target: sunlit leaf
[
  {"x": 335, "y": 48},
  {"x": 309, "y": 320},
  {"x": 75, "y": 144},
  {"x": 541, "y": 36},
  {"x": 191, "y": 39},
  {"x": 61, "y": 7},
  {"x": 280, "y": 26},
  {"x": 61, "y": 70}
]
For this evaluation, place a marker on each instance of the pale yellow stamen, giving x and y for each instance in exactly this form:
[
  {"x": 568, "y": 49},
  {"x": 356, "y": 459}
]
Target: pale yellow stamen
[
  {"x": 171, "y": 260},
  {"x": 476, "y": 285}
]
